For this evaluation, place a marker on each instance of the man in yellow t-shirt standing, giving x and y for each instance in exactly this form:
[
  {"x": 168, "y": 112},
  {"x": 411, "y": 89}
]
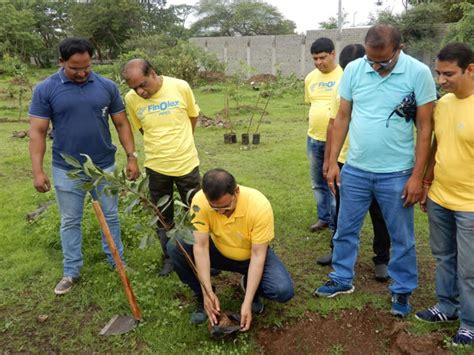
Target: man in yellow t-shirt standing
[
  {"x": 318, "y": 89},
  {"x": 234, "y": 227},
  {"x": 164, "y": 110},
  {"x": 449, "y": 185}
]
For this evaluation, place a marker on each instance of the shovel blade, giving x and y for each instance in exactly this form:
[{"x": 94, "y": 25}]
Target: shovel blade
[{"x": 119, "y": 325}]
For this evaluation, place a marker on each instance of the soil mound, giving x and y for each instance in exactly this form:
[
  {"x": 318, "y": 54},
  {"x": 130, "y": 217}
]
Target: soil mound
[{"x": 368, "y": 331}]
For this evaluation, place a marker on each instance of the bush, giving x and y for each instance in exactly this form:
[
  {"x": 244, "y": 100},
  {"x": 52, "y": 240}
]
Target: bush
[{"x": 171, "y": 57}]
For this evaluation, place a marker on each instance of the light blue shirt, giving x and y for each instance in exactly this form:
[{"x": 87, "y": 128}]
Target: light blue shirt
[{"x": 374, "y": 147}]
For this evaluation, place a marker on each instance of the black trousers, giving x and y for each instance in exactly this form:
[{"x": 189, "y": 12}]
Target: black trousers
[
  {"x": 163, "y": 185},
  {"x": 381, "y": 242}
]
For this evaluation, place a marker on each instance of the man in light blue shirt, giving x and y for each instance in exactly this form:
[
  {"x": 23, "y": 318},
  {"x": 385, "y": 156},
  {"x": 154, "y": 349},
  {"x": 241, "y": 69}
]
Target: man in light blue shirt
[{"x": 375, "y": 104}]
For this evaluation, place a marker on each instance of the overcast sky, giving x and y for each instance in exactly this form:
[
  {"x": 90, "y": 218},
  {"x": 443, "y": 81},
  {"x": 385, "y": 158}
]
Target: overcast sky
[{"x": 308, "y": 13}]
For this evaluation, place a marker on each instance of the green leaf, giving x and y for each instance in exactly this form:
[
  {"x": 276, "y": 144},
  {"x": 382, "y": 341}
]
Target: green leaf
[
  {"x": 143, "y": 242},
  {"x": 143, "y": 185},
  {"x": 71, "y": 161},
  {"x": 180, "y": 203},
  {"x": 129, "y": 208},
  {"x": 153, "y": 221},
  {"x": 163, "y": 200}
]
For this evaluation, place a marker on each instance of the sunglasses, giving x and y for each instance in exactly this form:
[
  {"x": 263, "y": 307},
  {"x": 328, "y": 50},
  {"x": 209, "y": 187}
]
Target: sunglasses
[
  {"x": 382, "y": 63},
  {"x": 228, "y": 207}
]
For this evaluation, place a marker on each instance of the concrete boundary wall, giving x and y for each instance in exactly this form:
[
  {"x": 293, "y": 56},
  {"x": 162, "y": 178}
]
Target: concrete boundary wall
[
  {"x": 271, "y": 54},
  {"x": 289, "y": 54}
]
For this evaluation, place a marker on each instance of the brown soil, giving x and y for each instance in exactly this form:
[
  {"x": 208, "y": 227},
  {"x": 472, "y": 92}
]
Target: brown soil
[
  {"x": 367, "y": 331},
  {"x": 212, "y": 76},
  {"x": 261, "y": 78}
]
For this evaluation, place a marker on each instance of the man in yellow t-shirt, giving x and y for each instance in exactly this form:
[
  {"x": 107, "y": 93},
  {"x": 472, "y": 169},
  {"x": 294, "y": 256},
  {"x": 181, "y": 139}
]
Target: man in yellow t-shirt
[
  {"x": 449, "y": 193},
  {"x": 234, "y": 227},
  {"x": 165, "y": 112},
  {"x": 319, "y": 86}
]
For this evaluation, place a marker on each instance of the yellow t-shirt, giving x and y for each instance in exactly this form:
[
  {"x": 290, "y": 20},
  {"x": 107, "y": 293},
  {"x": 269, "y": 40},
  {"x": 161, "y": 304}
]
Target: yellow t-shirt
[
  {"x": 453, "y": 184},
  {"x": 318, "y": 89},
  {"x": 250, "y": 223},
  {"x": 335, "y": 101},
  {"x": 167, "y": 131}
]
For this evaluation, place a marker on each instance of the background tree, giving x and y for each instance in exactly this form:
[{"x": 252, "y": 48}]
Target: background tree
[
  {"x": 17, "y": 37},
  {"x": 331, "y": 23},
  {"x": 463, "y": 30},
  {"x": 239, "y": 17},
  {"x": 107, "y": 24}
]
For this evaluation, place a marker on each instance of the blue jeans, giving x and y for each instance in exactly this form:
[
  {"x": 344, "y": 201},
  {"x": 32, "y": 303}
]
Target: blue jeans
[
  {"x": 70, "y": 197},
  {"x": 452, "y": 245},
  {"x": 325, "y": 200},
  {"x": 275, "y": 285},
  {"x": 358, "y": 188}
]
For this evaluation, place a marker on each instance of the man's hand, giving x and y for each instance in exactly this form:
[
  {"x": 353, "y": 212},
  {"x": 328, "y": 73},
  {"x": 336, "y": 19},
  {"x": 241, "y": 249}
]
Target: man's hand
[
  {"x": 424, "y": 197},
  {"x": 245, "y": 316},
  {"x": 41, "y": 182},
  {"x": 325, "y": 168},
  {"x": 412, "y": 191},
  {"x": 133, "y": 172},
  {"x": 212, "y": 307},
  {"x": 333, "y": 175}
]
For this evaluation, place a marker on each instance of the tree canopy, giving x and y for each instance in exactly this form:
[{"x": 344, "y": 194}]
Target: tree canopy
[{"x": 239, "y": 18}]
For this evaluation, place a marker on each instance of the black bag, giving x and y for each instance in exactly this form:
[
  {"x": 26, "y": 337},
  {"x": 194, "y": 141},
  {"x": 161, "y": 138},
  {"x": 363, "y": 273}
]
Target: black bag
[{"x": 405, "y": 109}]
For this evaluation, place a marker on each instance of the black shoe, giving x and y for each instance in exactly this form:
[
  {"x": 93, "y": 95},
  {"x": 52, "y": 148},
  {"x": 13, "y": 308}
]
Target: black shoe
[
  {"x": 199, "y": 316},
  {"x": 318, "y": 226},
  {"x": 381, "y": 273},
  {"x": 167, "y": 268},
  {"x": 325, "y": 260}
]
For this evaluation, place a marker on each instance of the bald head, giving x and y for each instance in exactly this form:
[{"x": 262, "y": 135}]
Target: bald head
[
  {"x": 138, "y": 64},
  {"x": 383, "y": 36},
  {"x": 141, "y": 77}
]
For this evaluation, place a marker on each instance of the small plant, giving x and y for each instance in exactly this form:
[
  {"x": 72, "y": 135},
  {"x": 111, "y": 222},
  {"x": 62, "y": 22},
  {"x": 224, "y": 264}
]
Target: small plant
[
  {"x": 20, "y": 83},
  {"x": 136, "y": 194}
]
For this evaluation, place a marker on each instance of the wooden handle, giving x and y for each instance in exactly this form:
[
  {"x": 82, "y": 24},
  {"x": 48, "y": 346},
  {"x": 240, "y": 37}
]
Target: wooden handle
[{"x": 118, "y": 262}]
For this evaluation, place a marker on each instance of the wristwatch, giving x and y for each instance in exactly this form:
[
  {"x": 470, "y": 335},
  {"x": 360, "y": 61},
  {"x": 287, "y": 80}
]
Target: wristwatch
[{"x": 132, "y": 155}]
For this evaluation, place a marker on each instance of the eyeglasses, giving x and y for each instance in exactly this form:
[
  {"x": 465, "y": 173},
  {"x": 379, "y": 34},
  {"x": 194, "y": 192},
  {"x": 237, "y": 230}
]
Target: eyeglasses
[
  {"x": 228, "y": 207},
  {"x": 80, "y": 70},
  {"x": 383, "y": 63}
]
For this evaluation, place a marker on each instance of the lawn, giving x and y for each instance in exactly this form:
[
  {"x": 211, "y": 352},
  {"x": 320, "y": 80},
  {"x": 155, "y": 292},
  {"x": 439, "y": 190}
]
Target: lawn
[{"x": 31, "y": 259}]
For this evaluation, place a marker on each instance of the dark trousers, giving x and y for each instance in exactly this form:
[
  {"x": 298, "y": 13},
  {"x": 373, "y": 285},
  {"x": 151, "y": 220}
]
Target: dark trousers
[
  {"x": 163, "y": 185},
  {"x": 275, "y": 285},
  {"x": 381, "y": 242}
]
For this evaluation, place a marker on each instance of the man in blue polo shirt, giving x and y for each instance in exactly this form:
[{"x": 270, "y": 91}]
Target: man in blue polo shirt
[
  {"x": 380, "y": 163},
  {"x": 78, "y": 103}
]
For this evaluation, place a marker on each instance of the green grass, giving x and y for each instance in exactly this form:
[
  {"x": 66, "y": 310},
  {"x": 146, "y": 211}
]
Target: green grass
[{"x": 31, "y": 259}]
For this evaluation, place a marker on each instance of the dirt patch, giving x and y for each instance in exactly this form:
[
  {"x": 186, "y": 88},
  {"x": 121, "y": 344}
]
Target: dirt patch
[
  {"x": 212, "y": 76},
  {"x": 368, "y": 331},
  {"x": 261, "y": 78}
]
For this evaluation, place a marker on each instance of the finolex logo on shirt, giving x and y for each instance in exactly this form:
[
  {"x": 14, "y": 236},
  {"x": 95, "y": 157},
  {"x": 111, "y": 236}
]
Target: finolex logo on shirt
[
  {"x": 322, "y": 85},
  {"x": 163, "y": 108}
]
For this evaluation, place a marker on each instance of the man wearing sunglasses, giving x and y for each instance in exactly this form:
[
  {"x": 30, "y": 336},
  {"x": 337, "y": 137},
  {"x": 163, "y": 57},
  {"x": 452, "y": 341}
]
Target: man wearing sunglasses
[
  {"x": 381, "y": 163},
  {"x": 234, "y": 226}
]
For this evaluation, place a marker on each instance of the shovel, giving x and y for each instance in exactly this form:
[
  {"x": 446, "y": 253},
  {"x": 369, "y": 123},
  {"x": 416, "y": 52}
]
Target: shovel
[{"x": 118, "y": 324}]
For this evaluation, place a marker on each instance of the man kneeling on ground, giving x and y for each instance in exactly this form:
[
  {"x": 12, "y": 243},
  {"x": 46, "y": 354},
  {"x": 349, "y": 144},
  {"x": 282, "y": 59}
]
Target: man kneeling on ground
[{"x": 239, "y": 220}]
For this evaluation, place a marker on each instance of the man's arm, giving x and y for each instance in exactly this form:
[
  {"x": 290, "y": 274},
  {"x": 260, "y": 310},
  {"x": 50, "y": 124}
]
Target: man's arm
[
  {"x": 254, "y": 275},
  {"x": 193, "y": 123},
  {"x": 126, "y": 139},
  {"x": 327, "y": 148},
  {"x": 203, "y": 266},
  {"x": 413, "y": 188},
  {"x": 338, "y": 135},
  {"x": 38, "y": 131},
  {"x": 429, "y": 175}
]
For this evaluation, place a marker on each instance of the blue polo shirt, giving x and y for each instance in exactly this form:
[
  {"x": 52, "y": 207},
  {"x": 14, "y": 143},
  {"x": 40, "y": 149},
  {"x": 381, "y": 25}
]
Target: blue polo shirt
[
  {"x": 373, "y": 146},
  {"x": 80, "y": 116}
]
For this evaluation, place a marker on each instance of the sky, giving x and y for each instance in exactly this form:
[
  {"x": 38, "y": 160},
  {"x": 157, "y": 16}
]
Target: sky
[{"x": 308, "y": 13}]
